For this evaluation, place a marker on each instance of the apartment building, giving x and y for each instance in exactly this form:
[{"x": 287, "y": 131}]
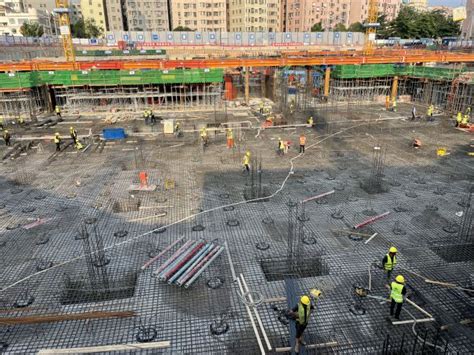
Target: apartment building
[
  {"x": 301, "y": 15},
  {"x": 418, "y": 4},
  {"x": 97, "y": 11},
  {"x": 467, "y": 30},
  {"x": 254, "y": 15},
  {"x": 210, "y": 15},
  {"x": 115, "y": 19},
  {"x": 145, "y": 15},
  {"x": 14, "y": 13}
]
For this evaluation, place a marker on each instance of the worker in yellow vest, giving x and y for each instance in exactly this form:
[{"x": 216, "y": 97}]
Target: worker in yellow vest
[
  {"x": 458, "y": 119},
  {"x": 429, "y": 112},
  {"x": 230, "y": 138},
  {"x": 389, "y": 261},
  {"x": 73, "y": 134},
  {"x": 465, "y": 121},
  {"x": 58, "y": 111},
  {"x": 302, "y": 312},
  {"x": 261, "y": 107},
  {"x": 204, "y": 136},
  {"x": 310, "y": 121},
  {"x": 246, "y": 161},
  {"x": 397, "y": 295},
  {"x": 281, "y": 147},
  {"x": 302, "y": 142},
  {"x": 394, "y": 105},
  {"x": 57, "y": 141},
  {"x": 387, "y": 102},
  {"x": 7, "y": 137},
  {"x": 1, "y": 122}
]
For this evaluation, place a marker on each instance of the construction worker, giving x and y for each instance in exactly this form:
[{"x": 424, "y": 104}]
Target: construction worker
[
  {"x": 230, "y": 138},
  {"x": 302, "y": 312},
  {"x": 387, "y": 103},
  {"x": 152, "y": 117},
  {"x": 416, "y": 143},
  {"x": 464, "y": 121},
  {"x": 57, "y": 141},
  {"x": 73, "y": 134},
  {"x": 246, "y": 161},
  {"x": 468, "y": 111},
  {"x": 429, "y": 112},
  {"x": 281, "y": 147},
  {"x": 7, "y": 137},
  {"x": 261, "y": 107},
  {"x": 302, "y": 142},
  {"x": 458, "y": 119},
  {"x": 397, "y": 293},
  {"x": 389, "y": 261},
  {"x": 21, "y": 120},
  {"x": 413, "y": 113},
  {"x": 58, "y": 111},
  {"x": 177, "y": 130},
  {"x": 146, "y": 116},
  {"x": 1, "y": 122},
  {"x": 310, "y": 121},
  {"x": 204, "y": 137},
  {"x": 394, "y": 105}
]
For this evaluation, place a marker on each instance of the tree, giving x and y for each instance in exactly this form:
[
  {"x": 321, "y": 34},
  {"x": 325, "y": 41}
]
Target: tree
[
  {"x": 356, "y": 27},
  {"x": 317, "y": 27},
  {"x": 340, "y": 27},
  {"x": 86, "y": 29},
  {"x": 31, "y": 30},
  {"x": 411, "y": 23},
  {"x": 183, "y": 29}
]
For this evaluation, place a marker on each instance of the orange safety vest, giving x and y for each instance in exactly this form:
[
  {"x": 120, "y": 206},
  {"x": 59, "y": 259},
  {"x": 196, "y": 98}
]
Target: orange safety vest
[{"x": 302, "y": 140}]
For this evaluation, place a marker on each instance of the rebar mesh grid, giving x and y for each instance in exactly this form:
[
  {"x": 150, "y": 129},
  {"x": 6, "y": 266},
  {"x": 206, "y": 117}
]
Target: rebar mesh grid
[{"x": 78, "y": 191}]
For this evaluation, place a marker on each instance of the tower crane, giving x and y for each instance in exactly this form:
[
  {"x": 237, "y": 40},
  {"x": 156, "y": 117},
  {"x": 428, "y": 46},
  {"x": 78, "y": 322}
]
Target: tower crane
[
  {"x": 62, "y": 9},
  {"x": 371, "y": 27}
]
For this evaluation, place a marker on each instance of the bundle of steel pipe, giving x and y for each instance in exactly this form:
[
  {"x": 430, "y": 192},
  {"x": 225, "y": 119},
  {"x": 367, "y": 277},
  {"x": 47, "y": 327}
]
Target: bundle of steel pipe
[{"x": 188, "y": 263}]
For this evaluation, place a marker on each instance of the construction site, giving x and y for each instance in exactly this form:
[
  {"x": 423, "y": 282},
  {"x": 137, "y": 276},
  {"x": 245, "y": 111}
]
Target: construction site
[{"x": 184, "y": 206}]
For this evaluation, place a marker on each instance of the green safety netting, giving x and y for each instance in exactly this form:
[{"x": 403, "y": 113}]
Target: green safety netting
[
  {"x": 384, "y": 70},
  {"x": 118, "y": 52},
  {"x": 109, "y": 77}
]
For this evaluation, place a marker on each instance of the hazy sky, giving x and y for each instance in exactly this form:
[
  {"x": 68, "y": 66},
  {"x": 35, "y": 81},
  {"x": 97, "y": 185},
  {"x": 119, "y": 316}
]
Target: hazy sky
[{"x": 452, "y": 3}]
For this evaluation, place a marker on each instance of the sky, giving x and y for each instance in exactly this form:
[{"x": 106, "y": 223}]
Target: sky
[{"x": 452, "y": 3}]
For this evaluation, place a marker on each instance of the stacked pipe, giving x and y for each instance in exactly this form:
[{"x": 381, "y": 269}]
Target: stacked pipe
[{"x": 185, "y": 266}]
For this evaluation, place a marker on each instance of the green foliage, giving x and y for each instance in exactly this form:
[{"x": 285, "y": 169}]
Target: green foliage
[
  {"x": 340, "y": 27},
  {"x": 31, "y": 30},
  {"x": 317, "y": 27},
  {"x": 411, "y": 23},
  {"x": 356, "y": 27},
  {"x": 183, "y": 29},
  {"x": 86, "y": 29}
]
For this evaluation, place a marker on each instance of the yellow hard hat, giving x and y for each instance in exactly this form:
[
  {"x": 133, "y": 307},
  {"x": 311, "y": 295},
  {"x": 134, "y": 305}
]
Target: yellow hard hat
[
  {"x": 393, "y": 250},
  {"x": 247, "y": 153},
  {"x": 305, "y": 300},
  {"x": 6, "y": 131},
  {"x": 57, "y": 133},
  {"x": 315, "y": 293},
  {"x": 400, "y": 279}
]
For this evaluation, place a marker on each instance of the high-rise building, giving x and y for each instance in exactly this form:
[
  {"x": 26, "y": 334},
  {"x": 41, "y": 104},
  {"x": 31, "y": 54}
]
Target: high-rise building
[
  {"x": 301, "y": 15},
  {"x": 97, "y": 11},
  {"x": 14, "y": 13},
  {"x": 420, "y": 5},
  {"x": 254, "y": 15},
  {"x": 467, "y": 31},
  {"x": 145, "y": 15},
  {"x": 208, "y": 15},
  {"x": 115, "y": 20}
]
